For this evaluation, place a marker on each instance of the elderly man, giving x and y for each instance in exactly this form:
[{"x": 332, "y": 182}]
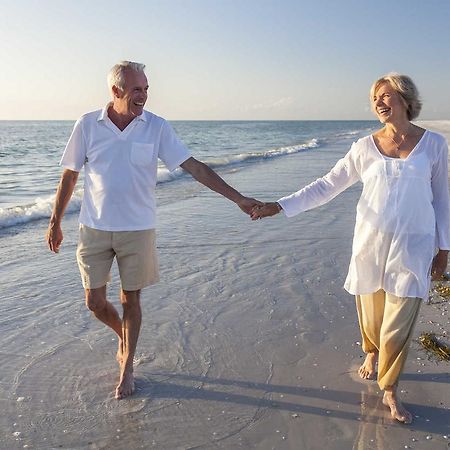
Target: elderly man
[{"x": 119, "y": 147}]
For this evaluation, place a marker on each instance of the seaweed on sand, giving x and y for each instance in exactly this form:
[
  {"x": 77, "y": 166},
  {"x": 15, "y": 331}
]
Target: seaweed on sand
[{"x": 434, "y": 347}]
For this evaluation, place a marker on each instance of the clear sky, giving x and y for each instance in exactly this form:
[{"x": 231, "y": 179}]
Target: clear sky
[{"x": 222, "y": 59}]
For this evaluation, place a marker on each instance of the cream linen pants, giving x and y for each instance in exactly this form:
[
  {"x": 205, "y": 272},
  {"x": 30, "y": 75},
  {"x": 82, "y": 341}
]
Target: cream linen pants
[{"x": 387, "y": 324}]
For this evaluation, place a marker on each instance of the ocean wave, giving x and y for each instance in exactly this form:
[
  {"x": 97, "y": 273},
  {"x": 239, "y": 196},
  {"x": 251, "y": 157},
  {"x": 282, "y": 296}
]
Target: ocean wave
[
  {"x": 354, "y": 132},
  {"x": 42, "y": 207},
  {"x": 222, "y": 162},
  {"x": 273, "y": 153},
  {"x": 348, "y": 133}
]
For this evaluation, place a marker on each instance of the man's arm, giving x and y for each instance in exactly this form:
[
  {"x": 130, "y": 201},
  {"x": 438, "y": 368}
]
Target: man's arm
[
  {"x": 63, "y": 194},
  {"x": 205, "y": 175}
]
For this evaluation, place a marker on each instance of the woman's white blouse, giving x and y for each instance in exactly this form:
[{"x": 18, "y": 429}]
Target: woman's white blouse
[{"x": 402, "y": 216}]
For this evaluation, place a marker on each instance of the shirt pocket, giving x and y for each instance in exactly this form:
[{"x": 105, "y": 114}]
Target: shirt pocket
[{"x": 141, "y": 154}]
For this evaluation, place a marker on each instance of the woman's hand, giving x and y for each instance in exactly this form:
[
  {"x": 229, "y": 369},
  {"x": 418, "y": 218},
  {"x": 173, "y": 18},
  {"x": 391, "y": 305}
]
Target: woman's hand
[
  {"x": 439, "y": 265},
  {"x": 266, "y": 210}
]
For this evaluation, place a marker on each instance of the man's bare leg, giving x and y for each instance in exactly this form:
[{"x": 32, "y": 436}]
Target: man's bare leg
[
  {"x": 398, "y": 411},
  {"x": 105, "y": 312},
  {"x": 367, "y": 370},
  {"x": 131, "y": 325}
]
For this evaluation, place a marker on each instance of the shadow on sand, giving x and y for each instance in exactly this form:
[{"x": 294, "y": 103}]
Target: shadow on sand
[{"x": 430, "y": 419}]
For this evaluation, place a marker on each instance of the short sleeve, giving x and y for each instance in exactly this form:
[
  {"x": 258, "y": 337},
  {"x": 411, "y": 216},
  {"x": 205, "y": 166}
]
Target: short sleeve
[
  {"x": 172, "y": 151},
  {"x": 74, "y": 154}
]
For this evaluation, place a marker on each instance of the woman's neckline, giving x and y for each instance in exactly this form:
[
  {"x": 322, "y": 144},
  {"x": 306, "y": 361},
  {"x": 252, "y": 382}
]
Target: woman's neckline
[{"x": 393, "y": 157}]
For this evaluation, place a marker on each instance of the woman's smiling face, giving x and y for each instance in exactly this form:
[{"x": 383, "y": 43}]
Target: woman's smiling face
[{"x": 388, "y": 104}]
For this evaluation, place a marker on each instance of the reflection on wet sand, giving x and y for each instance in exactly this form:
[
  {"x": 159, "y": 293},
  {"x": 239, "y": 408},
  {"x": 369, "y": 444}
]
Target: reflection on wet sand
[{"x": 374, "y": 418}]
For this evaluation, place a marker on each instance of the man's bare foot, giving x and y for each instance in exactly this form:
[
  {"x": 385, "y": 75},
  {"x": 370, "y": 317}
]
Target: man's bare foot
[
  {"x": 367, "y": 370},
  {"x": 119, "y": 354},
  {"x": 125, "y": 387},
  {"x": 398, "y": 411}
]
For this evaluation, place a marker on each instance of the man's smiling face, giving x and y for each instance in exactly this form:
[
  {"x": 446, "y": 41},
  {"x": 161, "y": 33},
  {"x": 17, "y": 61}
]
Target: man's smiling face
[{"x": 131, "y": 99}]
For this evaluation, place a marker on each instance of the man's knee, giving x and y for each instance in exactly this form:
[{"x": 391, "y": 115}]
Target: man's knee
[
  {"x": 96, "y": 299},
  {"x": 130, "y": 299}
]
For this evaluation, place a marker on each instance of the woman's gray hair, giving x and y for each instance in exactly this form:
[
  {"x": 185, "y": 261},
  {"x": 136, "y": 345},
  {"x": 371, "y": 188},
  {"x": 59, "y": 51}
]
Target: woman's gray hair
[
  {"x": 407, "y": 90},
  {"x": 116, "y": 76}
]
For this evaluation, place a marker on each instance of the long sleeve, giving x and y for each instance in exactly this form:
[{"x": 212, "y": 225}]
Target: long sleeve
[
  {"x": 441, "y": 199},
  {"x": 324, "y": 189}
]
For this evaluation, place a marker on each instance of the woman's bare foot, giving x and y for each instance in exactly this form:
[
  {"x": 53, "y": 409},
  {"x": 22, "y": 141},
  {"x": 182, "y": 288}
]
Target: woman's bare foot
[
  {"x": 367, "y": 370},
  {"x": 398, "y": 411},
  {"x": 125, "y": 387}
]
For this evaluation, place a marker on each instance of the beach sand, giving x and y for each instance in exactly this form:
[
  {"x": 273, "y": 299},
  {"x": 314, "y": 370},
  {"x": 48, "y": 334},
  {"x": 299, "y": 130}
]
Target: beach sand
[{"x": 249, "y": 340}]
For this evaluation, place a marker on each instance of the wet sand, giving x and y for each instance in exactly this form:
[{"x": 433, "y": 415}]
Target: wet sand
[{"x": 249, "y": 340}]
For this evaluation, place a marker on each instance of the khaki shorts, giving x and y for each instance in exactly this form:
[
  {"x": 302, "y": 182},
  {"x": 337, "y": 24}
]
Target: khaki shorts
[{"x": 135, "y": 252}]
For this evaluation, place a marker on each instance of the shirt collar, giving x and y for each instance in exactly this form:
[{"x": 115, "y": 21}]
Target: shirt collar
[{"x": 104, "y": 114}]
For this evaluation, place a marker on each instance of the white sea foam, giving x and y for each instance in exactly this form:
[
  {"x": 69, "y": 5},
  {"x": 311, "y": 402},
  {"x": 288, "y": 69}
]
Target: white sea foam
[
  {"x": 348, "y": 133},
  {"x": 354, "y": 132},
  {"x": 42, "y": 207},
  {"x": 258, "y": 156}
]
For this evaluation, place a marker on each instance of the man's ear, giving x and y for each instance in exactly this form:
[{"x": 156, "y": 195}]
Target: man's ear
[{"x": 116, "y": 91}]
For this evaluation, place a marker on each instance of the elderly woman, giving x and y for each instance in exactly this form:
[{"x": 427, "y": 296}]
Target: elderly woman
[{"x": 402, "y": 231}]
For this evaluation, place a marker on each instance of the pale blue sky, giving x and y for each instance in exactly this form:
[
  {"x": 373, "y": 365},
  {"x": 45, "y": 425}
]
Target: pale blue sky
[{"x": 222, "y": 59}]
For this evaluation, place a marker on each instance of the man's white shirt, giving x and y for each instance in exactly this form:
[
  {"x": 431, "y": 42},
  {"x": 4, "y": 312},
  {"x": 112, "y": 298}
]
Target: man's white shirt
[{"x": 120, "y": 168}]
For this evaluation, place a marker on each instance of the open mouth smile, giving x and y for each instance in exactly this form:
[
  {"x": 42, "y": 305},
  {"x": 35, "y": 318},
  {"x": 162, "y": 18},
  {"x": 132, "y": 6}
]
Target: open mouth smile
[{"x": 383, "y": 111}]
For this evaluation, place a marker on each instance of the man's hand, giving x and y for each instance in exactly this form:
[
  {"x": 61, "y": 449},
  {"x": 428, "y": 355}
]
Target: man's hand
[
  {"x": 54, "y": 237},
  {"x": 65, "y": 189},
  {"x": 247, "y": 204},
  {"x": 266, "y": 210},
  {"x": 439, "y": 265}
]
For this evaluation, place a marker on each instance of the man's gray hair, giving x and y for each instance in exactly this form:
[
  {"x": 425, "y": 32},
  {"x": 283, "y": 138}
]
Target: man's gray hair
[{"x": 116, "y": 76}]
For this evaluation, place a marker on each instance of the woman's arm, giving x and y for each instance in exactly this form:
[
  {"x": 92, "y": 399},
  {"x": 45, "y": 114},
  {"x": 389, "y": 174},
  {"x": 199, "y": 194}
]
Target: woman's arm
[
  {"x": 324, "y": 189},
  {"x": 441, "y": 205},
  {"x": 319, "y": 192}
]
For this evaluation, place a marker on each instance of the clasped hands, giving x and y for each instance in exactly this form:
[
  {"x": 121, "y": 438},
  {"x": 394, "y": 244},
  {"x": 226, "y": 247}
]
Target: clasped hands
[
  {"x": 265, "y": 210},
  {"x": 257, "y": 210}
]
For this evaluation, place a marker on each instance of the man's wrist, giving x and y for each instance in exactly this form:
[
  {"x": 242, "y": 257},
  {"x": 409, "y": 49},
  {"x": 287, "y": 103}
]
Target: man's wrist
[
  {"x": 279, "y": 207},
  {"x": 236, "y": 197},
  {"x": 55, "y": 222}
]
